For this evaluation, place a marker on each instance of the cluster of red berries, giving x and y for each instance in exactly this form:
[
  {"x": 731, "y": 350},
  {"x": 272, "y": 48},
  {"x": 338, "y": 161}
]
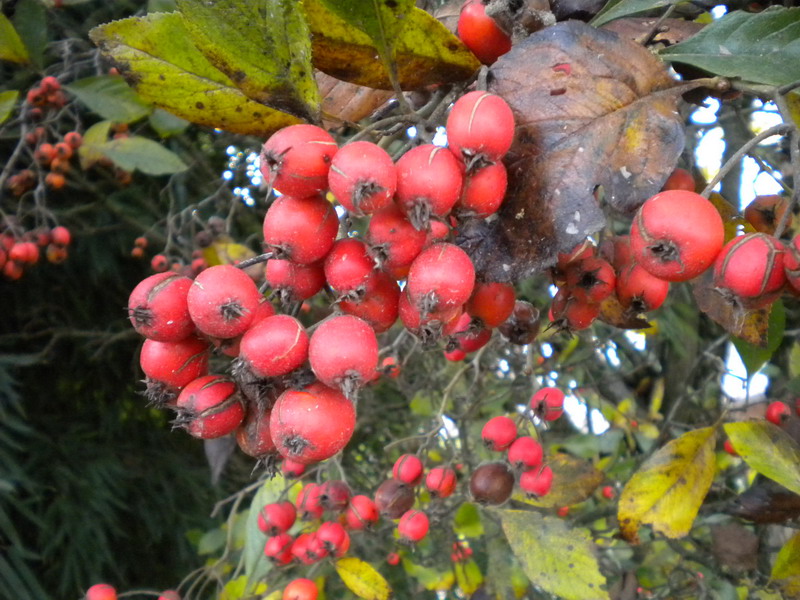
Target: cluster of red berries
[
  {"x": 160, "y": 263},
  {"x": 44, "y": 97},
  {"x": 20, "y": 252},
  {"x": 104, "y": 591}
]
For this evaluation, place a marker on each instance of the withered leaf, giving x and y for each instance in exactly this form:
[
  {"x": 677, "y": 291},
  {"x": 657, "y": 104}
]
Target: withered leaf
[
  {"x": 344, "y": 102},
  {"x": 613, "y": 313},
  {"x": 593, "y": 111}
]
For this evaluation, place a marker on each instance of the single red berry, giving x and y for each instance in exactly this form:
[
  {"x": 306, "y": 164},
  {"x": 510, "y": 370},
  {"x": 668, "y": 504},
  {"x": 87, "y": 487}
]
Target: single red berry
[
  {"x": 294, "y": 282},
  {"x": 292, "y": 468},
  {"x": 480, "y": 33},
  {"x": 408, "y": 469},
  {"x": 429, "y": 181},
  {"x": 253, "y": 436},
  {"x": 393, "y": 498},
  {"x": 60, "y": 236},
  {"x": 158, "y": 308},
  {"x": 334, "y": 538},
  {"x": 777, "y": 412},
  {"x": 499, "y": 433},
  {"x": 393, "y": 559},
  {"x": 74, "y": 139},
  {"x": 537, "y": 482},
  {"x": 680, "y": 179},
  {"x": 492, "y": 303},
  {"x": 525, "y": 453},
  {"x": 728, "y": 447},
  {"x": 491, "y": 483},
  {"x": 548, "y": 403},
  {"x": 441, "y": 277},
  {"x": 50, "y": 84},
  {"x": 343, "y": 353},
  {"x": 480, "y": 127},
  {"x": 13, "y": 270},
  {"x": 304, "y": 550},
  {"x": 159, "y": 263},
  {"x": 169, "y": 595},
  {"x": 174, "y": 364},
  {"x": 279, "y": 548},
  {"x": 413, "y": 526},
  {"x": 456, "y": 355},
  {"x": 441, "y": 482},
  {"x": 428, "y": 326},
  {"x": 638, "y": 290},
  {"x": 608, "y": 492},
  {"x": 750, "y": 269},
  {"x": 312, "y": 424},
  {"x": 335, "y": 495},
  {"x": 140, "y": 242},
  {"x": 222, "y": 301},
  {"x": 296, "y": 160},
  {"x": 101, "y": 591},
  {"x": 562, "y": 511},
  {"x": 301, "y": 589},
  {"x": 300, "y": 229},
  {"x": 349, "y": 268},
  {"x": 26, "y": 253},
  {"x": 210, "y": 407},
  {"x": 309, "y": 502},
  {"x": 473, "y": 337},
  {"x": 392, "y": 240},
  {"x": 379, "y": 305},
  {"x": 676, "y": 235},
  {"x": 361, "y": 513},
  {"x": 363, "y": 178},
  {"x": 275, "y": 346},
  {"x": 390, "y": 367},
  {"x": 276, "y": 518},
  {"x": 591, "y": 279}
]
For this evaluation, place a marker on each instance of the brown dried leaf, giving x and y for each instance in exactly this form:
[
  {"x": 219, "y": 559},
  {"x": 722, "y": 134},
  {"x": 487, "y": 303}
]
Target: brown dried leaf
[
  {"x": 448, "y": 14},
  {"x": 734, "y": 546},
  {"x": 613, "y": 313},
  {"x": 592, "y": 111},
  {"x": 670, "y": 31},
  {"x": 347, "y": 102}
]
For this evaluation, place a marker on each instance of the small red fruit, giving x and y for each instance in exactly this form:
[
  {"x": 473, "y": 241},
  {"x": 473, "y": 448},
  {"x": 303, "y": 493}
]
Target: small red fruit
[
  {"x": 222, "y": 301},
  {"x": 591, "y": 279},
  {"x": 169, "y": 595},
  {"x": 335, "y": 495},
  {"x": 158, "y": 308},
  {"x": 343, "y": 353},
  {"x": 480, "y": 127},
  {"x": 777, "y": 412},
  {"x": 441, "y": 482},
  {"x": 638, "y": 290},
  {"x": 60, "y": 236},
  {"x": 253, "y": 435},
  {"x": 562, "y": 511},
  {"x": 393, "y": 559},
  {"x": 301, "y": 589},
  {"x": 101, "y": 591},
  {"x": 210, "y": 407},
  {"x": 537, "y": 482},
  {"x": 292, "y": 468},
  {"x": 300, "y": 229},
  {"x": 408, "y": 469},
  {"x": 175, "y": 364},
  {"x": 279, "y": 548},
  {"x": 159, "y": 263},
  {"x": 765, "y": 213},
  {"x": 361, "y": 513},
  {"x": 392, "y": 240},
  {"x": 363, "y": 178},
  {"x": 309, "y": 502},
  {"x": 548, "y": 403},
  {"x": 525, "y": 453},
  {"x": 480, "y": 33},
  {"x": 429, "y": 181},
  {"x": 441, "y": 277},
  {"x": 680, "y": 179},
  {"x": 275, "y": 346},
  {"x": 296, "y": 160},
  {"x": 380, "y": 304},
  {"x": 750, "y": 268},
  {"x": 608, "y": 492},
  {"x": 349, "y": 268},
  {"x": 74, "y": 139},
  {"x": 728, "y": 447},
  {"x": 492, "y": 303},
  {"x": 333, "y": 538},
  {"x": 499, "y": 433},
  {"x": 294, "y": 281},
  {"x": 413, "y": 526},
  {"x": 276, "y": 518}
]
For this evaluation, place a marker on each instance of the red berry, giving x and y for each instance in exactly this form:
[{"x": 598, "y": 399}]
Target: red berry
[
  {"x": 525, "y": 453},
  {"x": 169, "y": 595},
  {"x": 680, "y": 179},
  {"x": 279, "y": 548},
  {"x": 253, "y": 435},
  {"x": 74, "y": 139},
  {"x": 750, "y": 269},
  {"x": 380, "y": 304},
  {"x": 608, "y": 492},
  {"x": 210, "y": 407},
  {"x": 563, "y": 511},
  {"x": 428, "y": 326},
  {"x": 473, "y": 337},
  {"x": 499, "y": 433},
  {"x": 275, "y": 346},
  {"x": 639, "y": 290},
  {"x": 363, "y": 178},
  {"x": 591, "y": 279},
  {"x": 300, "y": 589},
  {"x": 429, "y": 183},
  {"x": 349, "y": 268},
  {"x": 159, "y": 263},
  {"x": 276, "y": 518},
  {"x": 60, "y": 236},
  {"x": 441, "y": 277},
  {"x": 777, "y": 412},
  {"x": 50, "y": 84},
  {"x": 294, "y": 281},
  {"x": 296, "y": 160},
  {"x": 480, "y": 33},
  {"x": 413, "y": 526},
  {"x": 361, "y": 513},
  {"x": 480, "y": 127},
  {"x": 25, "y": 253},
  {"x": 455, "y": 355},
  {"x": 676, "y": 235},
  {"x": 101, "y": 591},
  {"x": 390, "y": 368},
  {"x": 175, "y": 364},
  {"x": 300, "y": 229},
  {"x": 222, "y": 301},
  {"x": 393, "y": 559},
  {"x": 309, "y": 502},
  {"x": 334, "y": 538},
  {"x": 537, "y": 482},
  {"x": 312, "y": 424},
  {"x": 483, "y": 192},
  {"x": 158, "y": 307},
  {"x": 548, "y": 403},
  {"x": 343, "y": 353},
  {"x": 392, "y": 240},
  {"x": 441, "y": 482},
  {"x": 292, "y": 468},
  {"x": 728, "y": 447},
  {"x": 408, "y": 469},
  {"x": 492, "y": 303},
  {"x": 305, "y": 551}
]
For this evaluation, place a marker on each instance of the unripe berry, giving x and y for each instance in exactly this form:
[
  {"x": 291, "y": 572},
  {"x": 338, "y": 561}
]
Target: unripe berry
[
  {"x": 296, "y": 160},
  {"x": 441, "y": 482},
  {"x": 491, "y": 483},
  {"x": 499, "y": 433},
  {"x": 408, "y": 469},
  {"x": 363, "y": 178},
  {"x": 413, "y": 526},
  {"x": 361, "y": 513},
  {"x": 548, "y": 403},
  {"x": 393, "y": 498},
  {"x": 480, "y": 127},
  {"x": 525, "y": 453},
  {"x": 537, "y": 482}
]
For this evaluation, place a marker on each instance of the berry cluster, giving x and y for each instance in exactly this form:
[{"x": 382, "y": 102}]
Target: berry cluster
[
  {"x": 47, "y": 96},
  {"x": 20, "y": 251},
  {"x": 104, "y": 591}
]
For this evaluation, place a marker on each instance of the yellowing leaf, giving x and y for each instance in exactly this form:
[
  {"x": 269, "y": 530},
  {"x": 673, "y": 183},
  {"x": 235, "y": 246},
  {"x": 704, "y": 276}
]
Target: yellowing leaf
[
  {"x": 362, "y": 579},
  {"x": 7, "y": 101},
  {"x": 767, "y": 449},
  {"x": 94, "y": 138},
  {"x": 574, "y": 480},
  {"x": 425, "y": 52},
  {"x": 237, "y": 588},
  {"x": 157, "y": 57},
  {"x": 264, "y": 47},
  {"x": 226, "y": 252},
  {"x": 558, "y": 559},
  {"x": 786, "y": 569},
  {"x": 668, "y": 489},
  {"x": 468, "y": 576},
  {"x": 430, "y": 578},
  {"x": 11, "y": 47}
]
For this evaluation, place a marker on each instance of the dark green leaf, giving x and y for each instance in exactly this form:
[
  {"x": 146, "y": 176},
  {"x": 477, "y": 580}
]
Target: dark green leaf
[
  {"x": 30, "y": 20},
  {"x": 167, "y": 124},
  {"x": 264, "y": 47},
  {"x": 137, "y": 153},
  {"x": 754, "y": 357},
  {"x": 111, "y": 98},
  {"x": 757, "y": 47},
  {"x": 625, "y": 8}
]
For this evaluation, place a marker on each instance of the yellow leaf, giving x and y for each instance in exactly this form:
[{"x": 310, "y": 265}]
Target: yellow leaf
[
  {"x": 731, "y": 218},
  {"x": 7, "y": 101},
  {"x": 425, "y": 51},
  {"x": 767, "y": 449},
  {"x": 362, "y": 579},
  {"x": 558, "y": 559},
  {"x": 96, "y": 136},
  {"x": 786, "y": 569},
  {"x": 668, "y": 489},
  {"x": 225, "y": 252},
  {"x": 11, "y": 47},
  {"x": 574, "y": 480}
]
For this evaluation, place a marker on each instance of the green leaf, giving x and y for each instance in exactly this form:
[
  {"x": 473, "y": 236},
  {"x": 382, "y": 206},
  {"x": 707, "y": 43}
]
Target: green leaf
[
  {"x": 794, "y": 360},
  {"x": 7, "y": 101},
  {"x": 556, "y": 558},
  {"x": 11, "y": 47},
  {"x": 264, "y": 47},
  {"x": 161, "y": 6},
  {"x": 30, "y": 21},
  {"x": 467, "y": 521},
  {"x": 429, "y": 578},
  {"x": 754, "y": 357},
  {"x": 238, "y": 588},
  {"x": 767, "y": 449},
  {"x": 166, "y": 124},
  {"x": 93, "y": 139},
  {"x": 625, "y": 8},
  {"x": 425, "y": 52},
  {"x": 256, "y": 565},
  {"x": 212, "y": 541},
  {"x": 111, "y": 98},
  {"x": 158, "y": 58},
  {"x": 421, "y": 404},
  {"x": 468, "y": 576},
  {"x": 757, "y": 47},
  {"x": 787, "y": 567},
  {"x": 362, "y": 579},
  {"x": 136, "y": 153},
  {"x": 669, "y": 488}
]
